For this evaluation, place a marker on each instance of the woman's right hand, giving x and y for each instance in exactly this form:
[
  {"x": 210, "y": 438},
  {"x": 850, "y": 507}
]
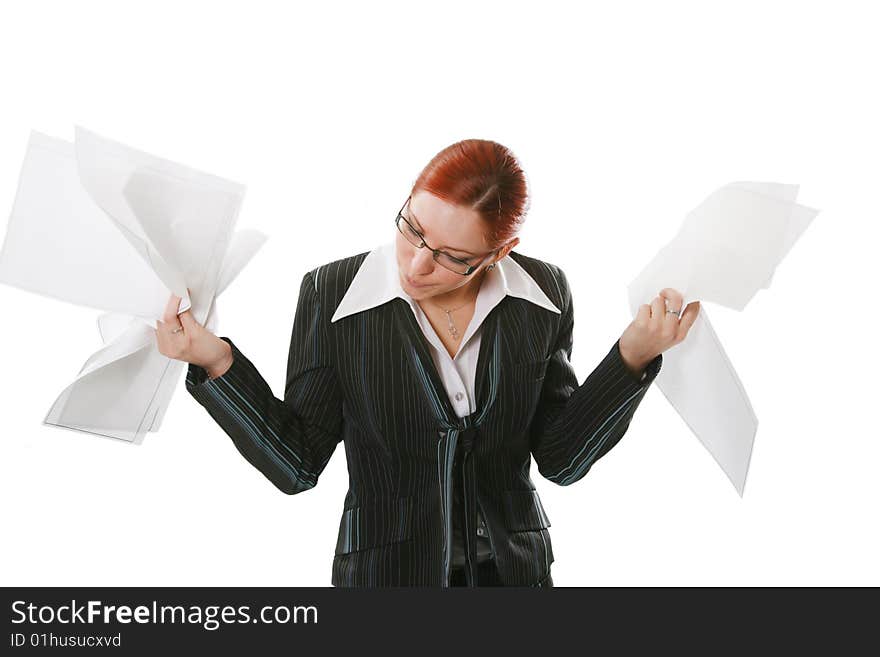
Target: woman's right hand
[{"x": 194, "y": 343}]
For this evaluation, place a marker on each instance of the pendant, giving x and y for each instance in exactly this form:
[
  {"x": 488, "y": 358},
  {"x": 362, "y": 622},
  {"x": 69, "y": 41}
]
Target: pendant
[{"x": 452, "y": 329}]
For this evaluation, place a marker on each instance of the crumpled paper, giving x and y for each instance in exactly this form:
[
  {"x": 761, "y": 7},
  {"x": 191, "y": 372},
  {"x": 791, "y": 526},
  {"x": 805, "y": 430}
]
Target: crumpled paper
[
  {"x": 102, "y": 225},
  {"x": 727, "y": 249}
]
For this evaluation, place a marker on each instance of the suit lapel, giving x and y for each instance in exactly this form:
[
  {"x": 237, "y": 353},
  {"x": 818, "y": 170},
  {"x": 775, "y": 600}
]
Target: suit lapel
[
  {"x": 490, "y": 327},
  {"x": 413, "y": 336}
]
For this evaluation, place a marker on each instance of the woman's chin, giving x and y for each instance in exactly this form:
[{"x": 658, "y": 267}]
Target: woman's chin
[{"x": 419, "y": 292}]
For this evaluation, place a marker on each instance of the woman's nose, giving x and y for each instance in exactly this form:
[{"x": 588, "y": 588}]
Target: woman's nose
[{"x": 422, "y": 261}]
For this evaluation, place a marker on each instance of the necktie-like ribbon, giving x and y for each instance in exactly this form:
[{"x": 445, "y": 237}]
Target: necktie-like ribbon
[{"x": 455, "y": 460}]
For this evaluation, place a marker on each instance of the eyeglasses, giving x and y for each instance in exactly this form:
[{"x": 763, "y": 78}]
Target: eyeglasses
[{"x": 414, "y": 237}]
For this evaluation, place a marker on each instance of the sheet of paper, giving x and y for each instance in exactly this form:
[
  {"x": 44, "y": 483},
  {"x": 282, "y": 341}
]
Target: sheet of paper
[
  {"x": 99, "y": 224},
  {"x": 725, "y": 251}
]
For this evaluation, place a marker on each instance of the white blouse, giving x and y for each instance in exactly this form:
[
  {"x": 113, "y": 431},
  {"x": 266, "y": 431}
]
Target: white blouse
[{"x": 377, "y": 282}]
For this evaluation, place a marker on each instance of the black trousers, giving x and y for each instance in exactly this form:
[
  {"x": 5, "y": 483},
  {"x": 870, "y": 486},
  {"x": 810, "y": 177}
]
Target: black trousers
[{"x": 487, "y": 575}]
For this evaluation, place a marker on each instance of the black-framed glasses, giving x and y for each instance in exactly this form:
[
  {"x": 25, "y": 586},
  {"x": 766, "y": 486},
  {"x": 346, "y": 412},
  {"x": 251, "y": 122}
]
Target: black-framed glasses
[{"x": 450, "y": 262}]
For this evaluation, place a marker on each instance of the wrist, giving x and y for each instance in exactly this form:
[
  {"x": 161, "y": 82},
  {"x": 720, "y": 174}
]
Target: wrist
[
  {"x": 222, "y": 365},
  {"x": 635, "y": 364}
]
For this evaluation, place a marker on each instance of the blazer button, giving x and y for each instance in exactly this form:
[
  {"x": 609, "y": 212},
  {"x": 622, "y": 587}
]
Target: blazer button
[
  {"x": 481, "y": 531},
  {"x": 459, "y": 396}
]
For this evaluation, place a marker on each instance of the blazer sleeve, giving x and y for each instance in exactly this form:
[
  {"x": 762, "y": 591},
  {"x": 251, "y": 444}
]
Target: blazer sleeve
[
  {"x": 291, "y": 440},
  {"x": 575, "y": 425}
]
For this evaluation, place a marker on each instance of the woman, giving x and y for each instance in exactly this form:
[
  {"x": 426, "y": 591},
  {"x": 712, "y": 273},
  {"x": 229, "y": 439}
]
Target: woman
[{"x": 442, "y": 360}]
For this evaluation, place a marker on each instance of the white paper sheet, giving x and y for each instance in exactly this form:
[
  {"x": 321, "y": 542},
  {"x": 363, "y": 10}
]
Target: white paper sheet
[
  {"x": 99, "y": 224},
  {"x": 725, "y": 251}
]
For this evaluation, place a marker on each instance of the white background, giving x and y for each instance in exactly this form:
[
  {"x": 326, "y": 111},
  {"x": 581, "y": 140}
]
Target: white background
[{"x": 625, "y": 116}]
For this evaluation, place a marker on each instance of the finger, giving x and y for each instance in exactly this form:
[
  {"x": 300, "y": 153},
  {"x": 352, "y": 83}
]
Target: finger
[
  {"x": 172, "y": 324},
  {"x": 170, "y": 314},
  {"x": 187, "y": 320},
  {"x": 676, "y": 300},
  {"x": 687, "y": 319},
  {"x": 658, "y": 310},
  {"x": 644, "y": 314}
]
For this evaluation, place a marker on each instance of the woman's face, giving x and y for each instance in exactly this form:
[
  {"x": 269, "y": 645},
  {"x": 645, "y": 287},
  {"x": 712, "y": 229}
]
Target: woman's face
[{"x": 451, "y": 228}]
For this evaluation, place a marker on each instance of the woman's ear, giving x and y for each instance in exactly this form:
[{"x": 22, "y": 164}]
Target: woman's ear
[{"x": 509, "y": 247}]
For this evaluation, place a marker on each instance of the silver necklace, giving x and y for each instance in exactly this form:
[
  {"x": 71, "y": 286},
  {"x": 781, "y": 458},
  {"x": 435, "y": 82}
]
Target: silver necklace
[{"x": 453, "y": 329}]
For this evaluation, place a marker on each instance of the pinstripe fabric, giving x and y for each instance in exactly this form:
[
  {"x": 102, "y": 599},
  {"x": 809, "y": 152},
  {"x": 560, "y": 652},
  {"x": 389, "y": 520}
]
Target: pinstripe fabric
[
  {"x": 456, "y": 434},
  {"x": 378, "y": 281},
  {"x": 369, "y": 381}
]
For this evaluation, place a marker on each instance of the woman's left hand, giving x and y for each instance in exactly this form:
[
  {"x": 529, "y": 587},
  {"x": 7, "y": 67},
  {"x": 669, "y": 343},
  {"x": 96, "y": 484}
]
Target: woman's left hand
[{"x": 654, "y": 330}]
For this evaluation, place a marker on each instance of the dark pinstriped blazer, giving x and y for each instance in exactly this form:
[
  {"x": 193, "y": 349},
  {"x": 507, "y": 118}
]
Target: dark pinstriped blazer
[{"x": 368, "y": 380}]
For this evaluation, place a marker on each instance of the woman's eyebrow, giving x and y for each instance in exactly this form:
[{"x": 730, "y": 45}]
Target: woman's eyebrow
[{"x": 448, "y": 248}]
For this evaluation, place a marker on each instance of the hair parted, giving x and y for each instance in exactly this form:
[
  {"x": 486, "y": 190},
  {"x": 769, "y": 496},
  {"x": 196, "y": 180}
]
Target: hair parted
[{"x": 482, "y": 175}]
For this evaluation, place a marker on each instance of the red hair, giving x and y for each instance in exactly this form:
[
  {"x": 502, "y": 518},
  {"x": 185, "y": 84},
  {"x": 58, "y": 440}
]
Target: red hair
[{"x": 484, "y": 176}]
